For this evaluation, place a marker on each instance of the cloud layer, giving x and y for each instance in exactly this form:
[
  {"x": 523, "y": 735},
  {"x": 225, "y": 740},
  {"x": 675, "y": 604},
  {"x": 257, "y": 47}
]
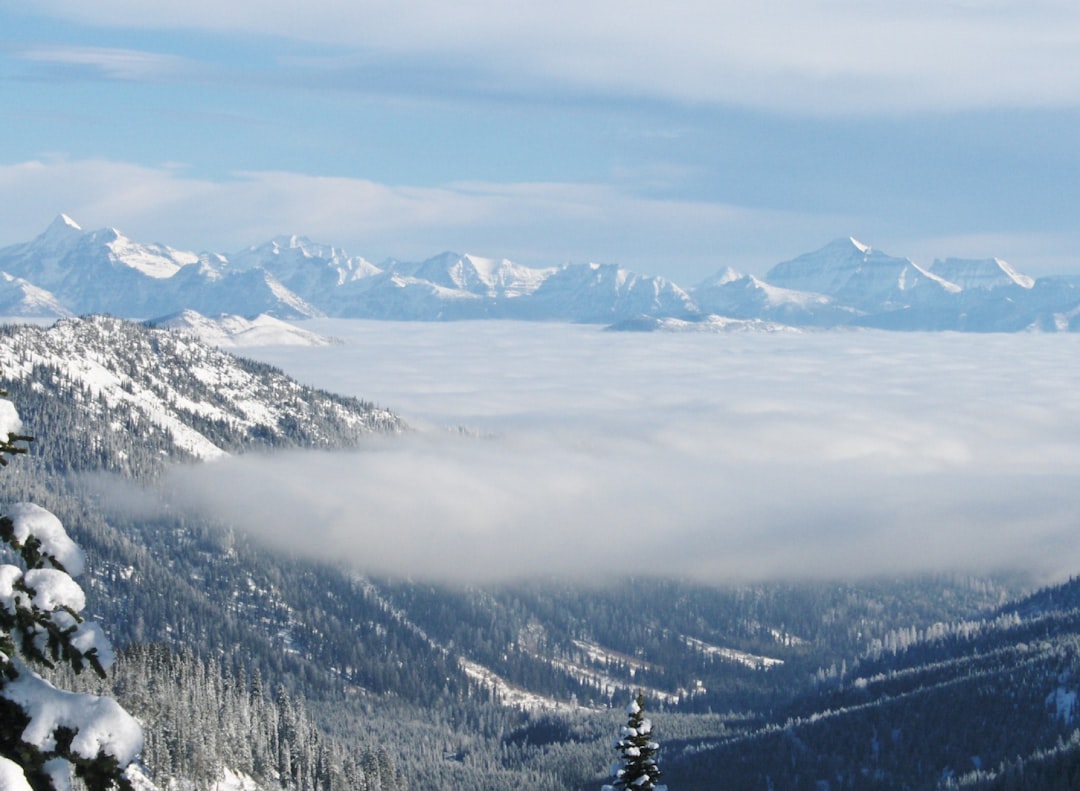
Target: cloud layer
[
  {"x": 830, "y": 56},
  {"x": 718, "y": 458}
]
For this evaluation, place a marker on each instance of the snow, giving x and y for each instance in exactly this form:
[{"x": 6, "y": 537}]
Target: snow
[
  {"x": 136, "y": 775},
  {"x": 12, "y": 777},
  {"x": 1063, "y": 702},
  {"x": 100, "y": 723},
  {"x": 31, "y": 519},
  {"x": 89, "y": 636},
  {"x": 9, "y": 419},
  {"x": 59, "y": 771},
  {"x": 509, "y": 695},
  {"x": 228, "y": 331},
  {"x": 153, "y": 261},
  {"x": 54, "y": 590},
  {"x": 65, "y": 221},
  {"x": 234, "y": 781},
  {"x": 981, "y": 274},
  {"x": 9, "y": 575},
  {"x": 730, "y": 654},
  {"x": 60, "y": 233}
]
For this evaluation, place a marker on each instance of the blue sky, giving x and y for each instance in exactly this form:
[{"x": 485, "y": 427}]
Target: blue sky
[{"x": 675, "y": 138}]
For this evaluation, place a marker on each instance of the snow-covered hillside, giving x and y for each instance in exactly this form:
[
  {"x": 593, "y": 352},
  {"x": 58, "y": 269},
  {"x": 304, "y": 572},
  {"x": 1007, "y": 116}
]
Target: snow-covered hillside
[{"x": 175, "y": 391}]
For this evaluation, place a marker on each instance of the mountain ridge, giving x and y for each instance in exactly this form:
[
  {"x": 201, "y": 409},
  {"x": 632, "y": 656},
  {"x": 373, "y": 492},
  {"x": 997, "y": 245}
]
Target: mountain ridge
[
  {"x": 121, "y": 374},
  {"x": 846, "y": 283}
]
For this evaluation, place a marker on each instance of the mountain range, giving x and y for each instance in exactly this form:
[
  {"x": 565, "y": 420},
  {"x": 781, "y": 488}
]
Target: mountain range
[{"x": 68, "y": 271}]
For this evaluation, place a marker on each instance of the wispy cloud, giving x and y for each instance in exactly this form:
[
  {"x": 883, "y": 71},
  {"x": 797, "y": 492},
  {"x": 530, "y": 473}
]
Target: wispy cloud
[
  {"x": 55, "y": 62},
  {"x": 717, "y": 458},
  {"x": 824, "y": 56}
]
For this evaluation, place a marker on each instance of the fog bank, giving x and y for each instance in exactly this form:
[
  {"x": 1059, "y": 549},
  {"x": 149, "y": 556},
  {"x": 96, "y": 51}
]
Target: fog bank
[{"x": 716, "y": 457}]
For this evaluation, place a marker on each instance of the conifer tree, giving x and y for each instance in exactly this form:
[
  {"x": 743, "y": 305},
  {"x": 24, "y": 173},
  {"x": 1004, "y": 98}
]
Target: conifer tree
[
  {"x": 45, "y": 732},
  {"x": 638, "y": 770}
]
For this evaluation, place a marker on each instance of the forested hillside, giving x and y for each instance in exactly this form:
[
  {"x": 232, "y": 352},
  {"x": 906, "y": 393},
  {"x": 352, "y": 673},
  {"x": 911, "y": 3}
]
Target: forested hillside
[
  {"x": 989, "y": 703},
  {"x": 308, "y": 675},
  {"x": 137, "y": 398}
]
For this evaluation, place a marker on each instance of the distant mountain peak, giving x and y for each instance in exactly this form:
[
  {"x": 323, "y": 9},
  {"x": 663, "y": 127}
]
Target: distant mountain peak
[
  {"x": 64, "y": 222},
  {"x": 61, "y": 231},
  {"x": 293, "y": 242},
  {"x": 845, "y": 246},
  {"x": 720, "y": 278}
]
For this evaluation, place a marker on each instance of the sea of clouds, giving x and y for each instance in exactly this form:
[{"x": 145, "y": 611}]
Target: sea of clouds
[{"x": 542, "y": 450}]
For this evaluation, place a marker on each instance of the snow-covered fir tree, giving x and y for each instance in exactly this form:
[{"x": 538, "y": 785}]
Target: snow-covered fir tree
[
  {"x": 47, "y": 733},
  {"x": 637, "y": 770}
]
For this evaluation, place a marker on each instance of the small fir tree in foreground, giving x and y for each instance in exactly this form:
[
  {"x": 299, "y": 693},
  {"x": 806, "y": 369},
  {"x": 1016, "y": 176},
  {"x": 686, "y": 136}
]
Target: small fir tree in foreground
[
  {"x": 46, "y": 732},
  {"x": 638, "y": 770}
]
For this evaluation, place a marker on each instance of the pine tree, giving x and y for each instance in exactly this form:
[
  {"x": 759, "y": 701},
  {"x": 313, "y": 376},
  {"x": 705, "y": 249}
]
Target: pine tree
[
  {"x": 45, "y": 732},
  {"x": 638, "y": 770}
]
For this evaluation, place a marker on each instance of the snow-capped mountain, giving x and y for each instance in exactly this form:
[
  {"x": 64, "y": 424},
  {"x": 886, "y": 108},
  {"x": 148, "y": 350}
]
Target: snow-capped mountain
[
  {"x": 66, "y": 270},
  {"x": 86, "y": 271},
  {"x": 56, "y": 254},
  {"x": 855, "y": 274},
  {"x": 105, "y": 272},
  {"x": 234, "y": 332},
  {"x": 191, "y": 399},
  {"x": 747, "y": 297},
  {"x": 488, "y": 277},
  {"x": 303, "y": 266},
  {"x": 605, "y": 293}
]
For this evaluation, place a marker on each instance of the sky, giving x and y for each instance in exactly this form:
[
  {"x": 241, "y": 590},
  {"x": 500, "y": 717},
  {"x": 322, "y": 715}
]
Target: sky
[
  {"x": 541, "y": 450},
  {"x": 673, "y": 138}
]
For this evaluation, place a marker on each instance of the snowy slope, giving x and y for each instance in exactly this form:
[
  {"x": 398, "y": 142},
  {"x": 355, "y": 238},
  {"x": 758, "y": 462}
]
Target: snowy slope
[
  {"x": 748, "y": 297},
  {"x": 984, "y": 273},
  {"x": 227, "y": 331},
  {"x": 21, "y": 298}
]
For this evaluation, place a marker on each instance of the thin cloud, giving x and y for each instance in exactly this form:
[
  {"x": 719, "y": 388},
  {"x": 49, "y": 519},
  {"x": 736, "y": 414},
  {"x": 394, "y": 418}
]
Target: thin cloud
[
  {"x": 716, "y": 458},
  {"x": 829, "y": 57},
  {"x": 76, "y": 62}
]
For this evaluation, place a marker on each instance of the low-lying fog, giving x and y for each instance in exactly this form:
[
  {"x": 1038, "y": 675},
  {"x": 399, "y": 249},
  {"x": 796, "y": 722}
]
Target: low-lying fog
[{"x": 717, "y": 457}]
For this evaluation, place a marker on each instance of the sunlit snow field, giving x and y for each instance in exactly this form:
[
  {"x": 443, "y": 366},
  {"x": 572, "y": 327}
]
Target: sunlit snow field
[{"x": 721, "y": 457}]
